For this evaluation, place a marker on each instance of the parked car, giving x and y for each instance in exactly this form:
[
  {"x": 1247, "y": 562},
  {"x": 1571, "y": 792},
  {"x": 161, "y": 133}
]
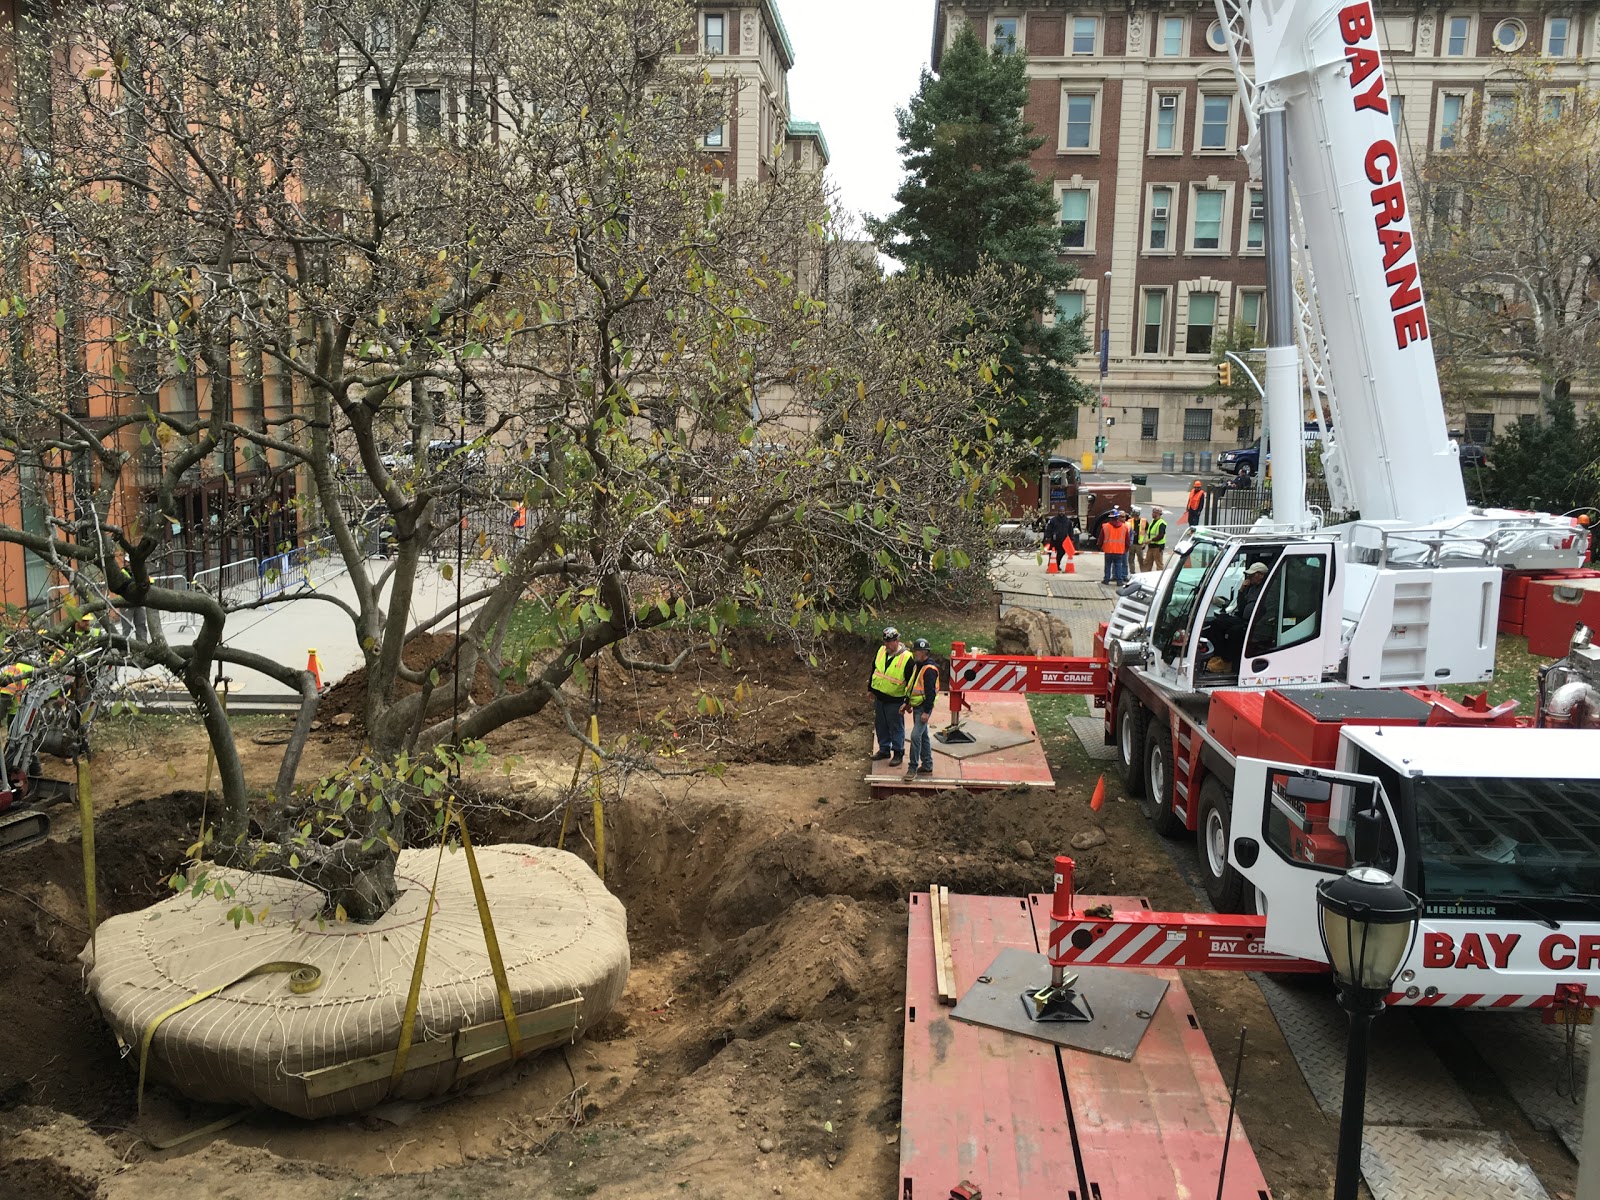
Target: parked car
[
  {"x": 1471, "y": 454},
  {"x": 1245, "y": 461}
]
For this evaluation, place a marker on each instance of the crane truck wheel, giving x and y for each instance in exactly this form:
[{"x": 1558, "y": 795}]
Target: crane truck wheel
[
  {"x": 1157, "y": 802},
  {"x": 1225, "y": 887},
  {"x": 1130, "y": 744}
]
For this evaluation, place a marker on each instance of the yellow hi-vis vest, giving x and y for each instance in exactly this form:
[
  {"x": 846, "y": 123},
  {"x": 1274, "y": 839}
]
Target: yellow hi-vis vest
[
  {"x": 888, "y": 674},
  {"x": 1156, "y": 535},
  {"x": 919, "y": 682}
]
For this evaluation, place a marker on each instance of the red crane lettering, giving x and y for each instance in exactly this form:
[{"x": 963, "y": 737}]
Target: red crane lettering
[
  {"x": 1556, "y": 952},
  {"x": 1356, "y": 23},
  {"x": 1438, "y": 950},
  {"x": 1382, "y": 152},
  {"x": 1390, "y": 201},
  {"x": 1373, "y": 97},
  {"x": 1396, "y": 245},
  {"x": 1363, "y": 62},
  {"x": 1502, "y": 944},
  {"x": 1588, "y": 952},
  {"x": 1410, "y": 326},
  {"x": 1472, "y": 953},
  {"x": 1403, "y": 279}
]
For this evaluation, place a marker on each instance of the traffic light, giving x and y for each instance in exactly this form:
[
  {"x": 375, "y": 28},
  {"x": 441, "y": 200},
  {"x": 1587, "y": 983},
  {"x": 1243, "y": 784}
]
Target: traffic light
[{"x": 1224, "y": 374}]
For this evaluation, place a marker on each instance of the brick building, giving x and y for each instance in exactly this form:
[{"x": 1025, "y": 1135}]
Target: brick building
[{"x": 1142, "y": 125}]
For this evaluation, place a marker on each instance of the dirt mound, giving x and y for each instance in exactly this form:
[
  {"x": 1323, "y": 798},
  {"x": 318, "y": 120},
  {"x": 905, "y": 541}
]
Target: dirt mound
[
  {"x": 801, "y": 747},
  {"x": 57, "y": 1052},
  {"x": 1024, "y": 631},
  {"x": 789, "y": 970}
]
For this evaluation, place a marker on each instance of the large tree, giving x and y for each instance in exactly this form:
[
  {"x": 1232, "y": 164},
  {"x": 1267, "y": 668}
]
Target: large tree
[
  {"x": 970, "y": 197},
  {"x": 524, "y": 285},
  {"x": 1511, "y": 240}
]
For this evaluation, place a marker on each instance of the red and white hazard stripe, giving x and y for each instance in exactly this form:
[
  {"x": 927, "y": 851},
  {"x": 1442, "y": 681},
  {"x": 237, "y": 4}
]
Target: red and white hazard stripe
[
  {"x": 1482, "y": 1000},
  {"x": 1118, "y": 944},
  {"x": 992, "y": 677}
]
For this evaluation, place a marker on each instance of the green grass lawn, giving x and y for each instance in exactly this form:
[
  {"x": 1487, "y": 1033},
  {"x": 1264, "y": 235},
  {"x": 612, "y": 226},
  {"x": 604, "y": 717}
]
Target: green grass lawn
[{"x": 1516, "y": 676}]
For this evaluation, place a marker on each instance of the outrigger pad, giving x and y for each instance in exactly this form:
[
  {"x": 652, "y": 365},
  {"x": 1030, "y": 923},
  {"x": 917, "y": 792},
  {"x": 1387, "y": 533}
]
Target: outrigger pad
[
  {"x": 1122, "y": 1004},
  {"x": 984, "y": 738}
]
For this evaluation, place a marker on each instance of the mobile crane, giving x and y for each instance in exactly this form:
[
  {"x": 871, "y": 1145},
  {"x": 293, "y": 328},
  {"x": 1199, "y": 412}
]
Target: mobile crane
[{"x": 1275, "y": 685}]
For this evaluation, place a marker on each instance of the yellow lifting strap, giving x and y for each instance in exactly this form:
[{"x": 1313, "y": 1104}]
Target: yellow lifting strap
[
  {"x": 408, "y": 1022},
  {"x": 303, "y": 978}
]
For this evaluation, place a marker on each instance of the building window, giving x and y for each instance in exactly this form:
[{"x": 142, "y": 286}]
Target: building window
[
  {"x": 429, "y": 112},
  {"x": 1075, "y": 219},
  {"x": 1215, "y": 115},
  {"x": 1072, "y": 423},
  {"x": 1451, "y": 106},
  {"x": 1217, "y": 37},
  {"x": 1197, "y": 424},
  {"x": 1480, "y": 428},
  {"x": 1457, "y": 31},
  {"x": 1172, "y": 37},
  {"x": 1155, "y": 321},
  {"x": 1555, "y": 106},
  {"x": 1208, "y": 204},
  {"x": 1005, "y": 35},
  {"x": 1255, "y": 222},
  {"x": 1244, "y": 426},
  {"x": 1085, "y": 33},
  {"x": 714, "y": 137},
  {"x": 1069, "y": 307},
  {"x": 1497, "y": 113},
  {"x": 1160, "y": 218},
  {"x": 1250, "y": 311},
  {"x": 716, "y": 33},
  {"x": 1510, "y": 35},
  {"x": 1079, "y": 133},
  {"x": 1557, "y": 34},
  {"x": 1166, "y": 137},
  {"x": 1149, "y": 424},
  {"x": 380, "y": 35},
  {"x": 1397, "y": 113},
  {"x": 1443, "y": 216},
  {"x": 1202, "y": 322}
]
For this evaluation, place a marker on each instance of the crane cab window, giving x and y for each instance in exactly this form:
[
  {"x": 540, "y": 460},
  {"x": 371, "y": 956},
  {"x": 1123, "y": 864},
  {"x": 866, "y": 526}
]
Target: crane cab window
[
  {"x": 1238, "y": 595},
  {"x": 1188, "y": 582},
  {"x": 1289, "y": 612},
  {"x": 1313, "y": 823}
]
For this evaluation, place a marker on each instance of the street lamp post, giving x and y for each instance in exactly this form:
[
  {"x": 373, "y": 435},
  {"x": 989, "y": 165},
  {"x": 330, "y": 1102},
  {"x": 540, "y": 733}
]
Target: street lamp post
[
  {"x": 1104, "y": 348},
  {"x": 1368, "y": 923}
]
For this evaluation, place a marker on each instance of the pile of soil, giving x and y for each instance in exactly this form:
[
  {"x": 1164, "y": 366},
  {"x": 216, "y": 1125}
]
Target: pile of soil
[{"x": 57, "y": 1051}]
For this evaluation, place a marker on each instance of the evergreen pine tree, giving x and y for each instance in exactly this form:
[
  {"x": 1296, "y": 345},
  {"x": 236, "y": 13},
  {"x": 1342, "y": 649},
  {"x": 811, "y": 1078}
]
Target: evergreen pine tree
[{"x": 970, "y": 196}]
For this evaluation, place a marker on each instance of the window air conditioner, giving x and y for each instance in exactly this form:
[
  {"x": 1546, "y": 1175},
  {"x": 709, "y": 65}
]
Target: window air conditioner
[
  {"x": 1158, "y": 214},
  {"x": 1169, "y": 101}
]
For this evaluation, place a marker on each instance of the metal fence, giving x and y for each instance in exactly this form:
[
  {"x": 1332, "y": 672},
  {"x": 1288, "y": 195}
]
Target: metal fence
[
  {"x": 233, "y": 583},
  {"x": 1236, "y": 509}
]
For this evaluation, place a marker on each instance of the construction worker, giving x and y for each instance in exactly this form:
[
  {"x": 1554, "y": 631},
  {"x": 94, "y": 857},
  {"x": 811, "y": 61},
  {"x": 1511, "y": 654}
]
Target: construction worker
[
  {"x": 1195, "y": 503},
  {"x": 891, "y": 681},
  {"x": 519, "y": 522},
  {"x": 1155, "y": 540},
  {"x": 924, "y": 690},
  {"x": 1136, "y": 525},
  {"x": 1114, "y": 546},
  {"x": 1057, "y": 531}
]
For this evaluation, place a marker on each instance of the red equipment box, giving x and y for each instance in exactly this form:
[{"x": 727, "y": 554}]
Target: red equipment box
[{"x": 1554, "y": 607}]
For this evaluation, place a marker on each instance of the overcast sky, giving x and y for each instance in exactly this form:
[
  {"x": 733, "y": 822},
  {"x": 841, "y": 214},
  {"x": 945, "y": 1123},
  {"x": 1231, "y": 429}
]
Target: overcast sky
[{"x": 856, "y": 61}]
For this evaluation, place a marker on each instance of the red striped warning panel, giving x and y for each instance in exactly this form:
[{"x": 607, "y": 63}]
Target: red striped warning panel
[{"x": 1025, "y": 1121}]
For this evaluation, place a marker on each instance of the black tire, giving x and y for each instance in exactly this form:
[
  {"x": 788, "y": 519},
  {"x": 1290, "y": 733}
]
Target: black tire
[
  {"x": 1157, "y": 802},
  {"x": 1225, "y": 887},
  {"x": 1130, "y": 744}
]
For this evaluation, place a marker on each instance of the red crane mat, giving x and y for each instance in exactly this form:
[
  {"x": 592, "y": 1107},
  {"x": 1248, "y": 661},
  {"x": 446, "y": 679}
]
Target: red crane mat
[
  {"x": 1027, "y": 1121},
  {"x": 1021, "y": 762}
]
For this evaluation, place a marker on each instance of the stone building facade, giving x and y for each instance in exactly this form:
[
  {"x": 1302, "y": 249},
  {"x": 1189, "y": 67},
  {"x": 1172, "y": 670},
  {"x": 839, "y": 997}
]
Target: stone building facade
[{"x": 1142, "y": 123}]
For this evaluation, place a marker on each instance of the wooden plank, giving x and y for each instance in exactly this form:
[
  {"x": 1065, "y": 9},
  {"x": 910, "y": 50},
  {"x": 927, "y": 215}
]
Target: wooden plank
[
  {"x": 484, "y": 1059},
  {"x": 475, "y": 1040},
  {"x": 951, "y": 993},
  {"x": 943, "y": 985},
  {"x": 1152, "y": 1129},
  {"x": 976, "y": 1103},
  {"x": 491, "y": 1034}
]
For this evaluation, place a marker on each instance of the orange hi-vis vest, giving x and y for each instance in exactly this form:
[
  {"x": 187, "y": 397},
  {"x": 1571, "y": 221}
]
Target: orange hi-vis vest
[
  {"x": 1197, "y": 497},
  {"x": 1114, "y": 538}
]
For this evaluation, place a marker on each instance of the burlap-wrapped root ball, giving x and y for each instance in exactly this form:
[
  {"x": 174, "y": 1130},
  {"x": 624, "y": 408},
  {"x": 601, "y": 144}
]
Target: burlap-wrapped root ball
[{"x": 562, "y": 936}]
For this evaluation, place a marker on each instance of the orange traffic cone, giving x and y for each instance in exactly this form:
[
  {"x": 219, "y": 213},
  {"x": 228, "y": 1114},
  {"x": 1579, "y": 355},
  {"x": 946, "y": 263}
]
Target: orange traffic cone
[
  {"x": 1050, "y": 567},
  {"x": 1071, "y": 567},
  {"x": 314, "y": 665}
]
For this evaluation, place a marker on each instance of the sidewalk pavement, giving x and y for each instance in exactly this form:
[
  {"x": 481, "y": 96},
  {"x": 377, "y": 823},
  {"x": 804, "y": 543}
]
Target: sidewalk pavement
[{"x": 289, "y": 629}]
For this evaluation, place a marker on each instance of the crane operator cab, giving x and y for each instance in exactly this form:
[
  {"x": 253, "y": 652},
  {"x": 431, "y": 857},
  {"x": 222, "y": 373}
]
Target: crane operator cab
[{"x": 1253, "y": 611}]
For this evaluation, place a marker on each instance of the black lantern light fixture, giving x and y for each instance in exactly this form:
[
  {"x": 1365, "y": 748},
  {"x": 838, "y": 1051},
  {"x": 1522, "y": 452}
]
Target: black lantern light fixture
[{"x": 1368, "y": 923}]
